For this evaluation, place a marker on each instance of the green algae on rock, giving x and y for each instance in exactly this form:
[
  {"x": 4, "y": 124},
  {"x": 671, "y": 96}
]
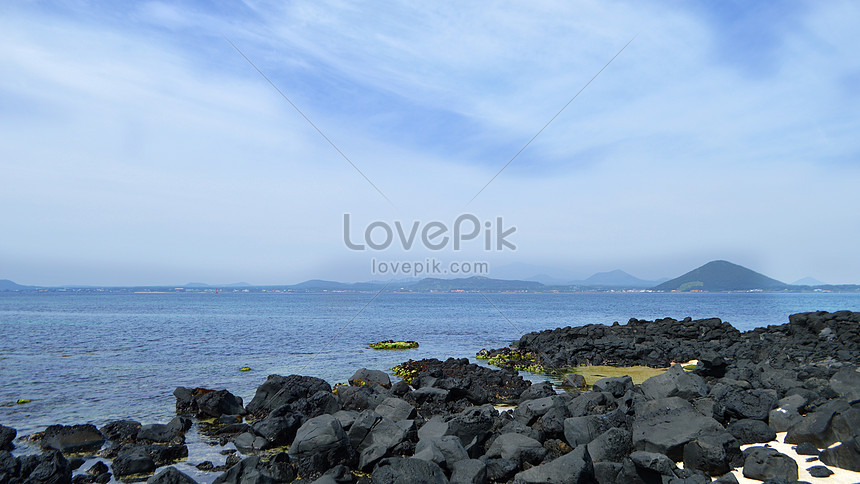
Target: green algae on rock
[
  {"x": 508, "y": 358},
  {"x": 394, "y": 345}
]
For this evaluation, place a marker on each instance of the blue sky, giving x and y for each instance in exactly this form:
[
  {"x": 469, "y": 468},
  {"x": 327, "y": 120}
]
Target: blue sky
[{"x": 137, "y": 147}]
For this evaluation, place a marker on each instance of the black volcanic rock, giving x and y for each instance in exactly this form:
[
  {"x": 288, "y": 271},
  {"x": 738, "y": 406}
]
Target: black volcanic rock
[
  {"x": 807, "y": 339},
  {"x": 278, "y": 391}
]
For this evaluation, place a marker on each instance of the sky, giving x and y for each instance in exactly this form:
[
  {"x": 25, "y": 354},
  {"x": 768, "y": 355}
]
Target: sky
[{"x": 138, "y": 146}]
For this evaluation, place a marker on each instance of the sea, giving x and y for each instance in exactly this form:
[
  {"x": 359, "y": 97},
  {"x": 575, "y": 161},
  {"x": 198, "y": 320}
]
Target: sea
[{"x": 93, "y": 357}]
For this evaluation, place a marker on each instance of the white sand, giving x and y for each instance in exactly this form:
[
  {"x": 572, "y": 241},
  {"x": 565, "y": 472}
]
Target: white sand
[{"x": 840, "y": 476}]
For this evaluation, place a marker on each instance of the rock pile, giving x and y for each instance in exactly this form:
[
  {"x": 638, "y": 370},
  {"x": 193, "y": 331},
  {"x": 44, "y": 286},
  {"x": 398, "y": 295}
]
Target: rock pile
[{"x": 444, "y": 425}]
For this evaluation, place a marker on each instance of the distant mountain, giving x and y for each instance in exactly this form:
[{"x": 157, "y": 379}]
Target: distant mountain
[
  {"x": 617, "y": 278},
  {"x": 475, "y": 283},
  {"x": 203, "y": 284},
  {"x": 808, "y": 281},
  {"x": 720, "y": 275},
  {"x": 7, "y": 285}
]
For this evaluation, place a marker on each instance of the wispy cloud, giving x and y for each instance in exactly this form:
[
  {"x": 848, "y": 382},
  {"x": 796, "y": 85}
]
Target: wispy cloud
[{"x": 135, "y": 137}]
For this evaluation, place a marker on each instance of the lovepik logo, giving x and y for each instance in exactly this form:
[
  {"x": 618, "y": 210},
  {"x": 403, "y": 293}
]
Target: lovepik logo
[{"x": 434, "y": 235}]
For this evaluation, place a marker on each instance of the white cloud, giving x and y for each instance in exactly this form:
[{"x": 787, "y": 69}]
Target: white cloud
[{"x": 148, "y": 142}]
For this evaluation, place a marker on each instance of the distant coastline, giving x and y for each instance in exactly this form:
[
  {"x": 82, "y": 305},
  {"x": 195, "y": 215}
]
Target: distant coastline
[{"x": 715, "y": 276}]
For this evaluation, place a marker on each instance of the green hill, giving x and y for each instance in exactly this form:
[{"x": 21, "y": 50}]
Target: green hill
[{"x": 720, "y": 275}]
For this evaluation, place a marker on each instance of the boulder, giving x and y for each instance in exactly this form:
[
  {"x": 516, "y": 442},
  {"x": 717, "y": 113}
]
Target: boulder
[
  {"x": 617, "y": 385},
  {"x": 170, "y": 475},
  {"x": 366, "y": 397},
  {"x": 166, "y": 454},
  {"x": 9, "y": 466},
  {"x": 711, "y": 364},
  {"x": 254, "y": 470},
  {"x": 50, "y": 468},
  {"x": 846, "y": 383},
  {"x": 846, "y": 423},
  {"x": 781, "y": 419},
  {"x": 363, "y": 376},
  {"x": 280, "y": 426},
  {"x": 666, "y": 425},
  {"x": 590, "y": 403},
  {"x": 443, "y": 451},
  {"x": 7, "y": 435},
  {"x": 537, "y": 390},
  {"x": 726, "y": 479},
  {"x": 529, "y": 411},
  {"x": 164, "y": 432},
  {"x": 250, "y": 443},
  {"x": 551, "y": 424},
  {"x": 749, "y": 431},
  {"x": 806, "y": 449},
  {"x": 741, "y": 404},
  {"x": 397, "y": 470},
  {"x": 845, "y": 455},
  {"x": 278, "y": 391},
  {"x": 613, "y": 445},
  {"x": 134, "y": 460},
  {"x": 500, "y": 470},
  {"x": 121, "y": 431},
  {"x": 765, "y": 463},
  {"x": 383, "y": 436},
  {"x": 396, "y": 409},
  {"x": 469, "y": 471},
  {"x": 653, "y": 463},
  {"x": 582, "y": 430},
  {"x": 336, "y": 475},
  {"x": 320, "y": 403},
  {"x": 815, "y": 428},
  {"x": 321, "y": 444},
  {"x": 345, "y": 417},
  {"x": 204, "y": 403},
  {"x": 472, "y": 426},
  {"x": 714, "y": 454},
  {"x": 575, "y": 467},
  {"x": 518, "y": 448},
  {"x": 72, "y": 439},
  {"x": 819, "y": 471}
]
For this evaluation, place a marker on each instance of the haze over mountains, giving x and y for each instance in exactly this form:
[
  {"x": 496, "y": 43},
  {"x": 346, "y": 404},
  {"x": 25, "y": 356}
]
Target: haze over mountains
[{"x": 715, "y": 276}]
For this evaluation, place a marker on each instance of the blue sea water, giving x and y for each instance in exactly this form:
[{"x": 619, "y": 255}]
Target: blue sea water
[{"x": 94, "y": 357}]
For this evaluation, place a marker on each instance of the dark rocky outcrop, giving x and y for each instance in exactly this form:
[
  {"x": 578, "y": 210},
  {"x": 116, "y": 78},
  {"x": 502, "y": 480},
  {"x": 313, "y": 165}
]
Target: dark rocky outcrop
[
  {"x": 321, "y": 444},
  {"x": 7, "y": 435},
  {"x": 72, "y": 439},
  {"x": 665, "y": 426},
  {"x": 398, "y": 470},
  {"x": 464, "y": 380},
  {"x": 764, "y": 463},
  {"x": 363, "y": 376},
  {"x": 808, "y": 338},
  {"x": 256, "y": 470},
  {"x": 751, "y": 431},
  {"x": 444, "y": 427},
  {"x": 205, "y": 403},
  {"x": 279, "y": 390},
  {"x": 575, "y": 467},
  {"x": 845, "y": 455},
  {"x": 170, "y": 475}
]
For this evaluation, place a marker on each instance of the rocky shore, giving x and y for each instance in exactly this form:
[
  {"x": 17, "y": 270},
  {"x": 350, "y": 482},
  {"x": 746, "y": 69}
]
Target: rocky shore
[{"x": 455, "y": 421}]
